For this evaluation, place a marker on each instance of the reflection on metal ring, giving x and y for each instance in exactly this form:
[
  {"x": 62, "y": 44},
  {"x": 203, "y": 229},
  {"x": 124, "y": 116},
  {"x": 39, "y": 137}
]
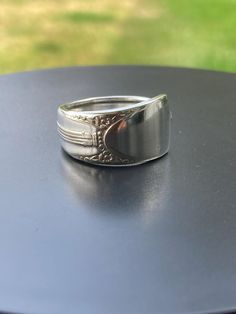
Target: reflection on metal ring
[{"x": 115, "y": 130}]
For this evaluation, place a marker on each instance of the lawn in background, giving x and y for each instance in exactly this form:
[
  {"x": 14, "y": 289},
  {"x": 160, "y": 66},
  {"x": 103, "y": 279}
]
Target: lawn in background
[{"x": 52, "y": 33}]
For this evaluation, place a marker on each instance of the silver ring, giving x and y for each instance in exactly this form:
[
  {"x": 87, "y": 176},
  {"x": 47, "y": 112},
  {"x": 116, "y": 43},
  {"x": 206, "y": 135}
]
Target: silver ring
[{"x": 115, "y": 130}]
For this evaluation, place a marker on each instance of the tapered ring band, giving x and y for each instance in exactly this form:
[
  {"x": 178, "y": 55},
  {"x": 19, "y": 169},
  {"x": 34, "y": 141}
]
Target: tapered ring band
[{"x": 115, "y": 130}]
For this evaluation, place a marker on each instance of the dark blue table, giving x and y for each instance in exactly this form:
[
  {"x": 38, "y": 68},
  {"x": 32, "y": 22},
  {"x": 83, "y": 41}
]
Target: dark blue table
[{"x": 156, "y": 238}]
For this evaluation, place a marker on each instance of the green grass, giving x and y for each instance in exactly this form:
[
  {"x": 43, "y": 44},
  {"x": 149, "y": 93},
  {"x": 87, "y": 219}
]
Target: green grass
[
  {"x": 49, "y": 33},
  {"x": 85, "y": 17}
]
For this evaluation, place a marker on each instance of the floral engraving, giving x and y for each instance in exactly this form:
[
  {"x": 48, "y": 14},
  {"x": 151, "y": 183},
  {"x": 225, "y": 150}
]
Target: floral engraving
[{"x": 102, "y": 123}]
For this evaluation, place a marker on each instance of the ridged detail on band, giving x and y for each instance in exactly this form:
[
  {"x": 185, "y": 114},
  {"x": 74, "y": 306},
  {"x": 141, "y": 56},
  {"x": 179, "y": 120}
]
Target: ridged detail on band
[
  {"x": 102, "y": 123},
  {"x": 80, "y": 138}
]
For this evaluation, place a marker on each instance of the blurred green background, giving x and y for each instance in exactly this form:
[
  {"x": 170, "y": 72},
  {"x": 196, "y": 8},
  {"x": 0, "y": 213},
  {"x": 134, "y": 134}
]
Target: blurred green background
[{"x": 51, "y": 33}]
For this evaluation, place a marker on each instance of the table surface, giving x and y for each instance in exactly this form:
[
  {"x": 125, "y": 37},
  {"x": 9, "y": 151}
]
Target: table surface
[{"x": 156, "y": 238}]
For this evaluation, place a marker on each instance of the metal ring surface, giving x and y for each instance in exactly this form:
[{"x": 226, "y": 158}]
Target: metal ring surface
[{"x": 115, "y": 130}]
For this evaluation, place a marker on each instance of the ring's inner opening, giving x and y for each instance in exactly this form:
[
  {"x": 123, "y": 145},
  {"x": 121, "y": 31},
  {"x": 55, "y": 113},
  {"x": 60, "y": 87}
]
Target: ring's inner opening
[{"x": 102, "y": 105}]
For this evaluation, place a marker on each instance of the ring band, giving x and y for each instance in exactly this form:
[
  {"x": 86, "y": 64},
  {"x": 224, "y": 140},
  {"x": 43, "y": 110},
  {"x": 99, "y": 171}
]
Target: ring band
[{"x": 115, "y": 130}]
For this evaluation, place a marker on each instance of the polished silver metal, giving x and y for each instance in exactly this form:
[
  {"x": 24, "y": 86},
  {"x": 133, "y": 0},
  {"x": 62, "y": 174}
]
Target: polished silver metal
[{"x": 115, "y": 130}]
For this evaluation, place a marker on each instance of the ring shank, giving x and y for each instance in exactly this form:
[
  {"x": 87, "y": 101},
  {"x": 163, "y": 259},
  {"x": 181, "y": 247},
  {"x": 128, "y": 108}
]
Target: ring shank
[{"x": 115, "y": 130}]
